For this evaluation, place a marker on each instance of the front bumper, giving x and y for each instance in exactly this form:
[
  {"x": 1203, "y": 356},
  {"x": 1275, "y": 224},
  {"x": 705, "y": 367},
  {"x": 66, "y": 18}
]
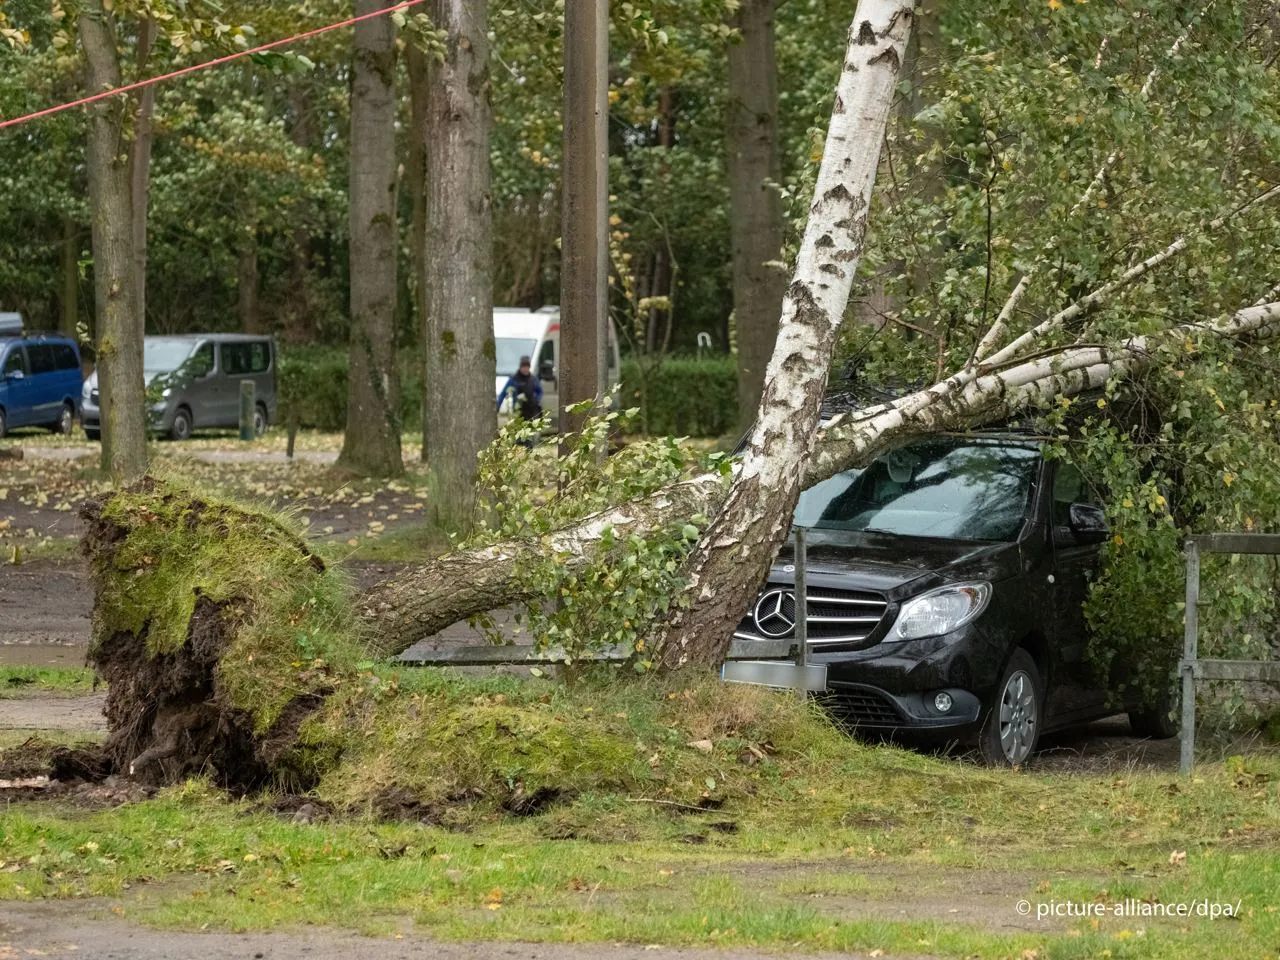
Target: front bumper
[{"x": 866, "y": 707}]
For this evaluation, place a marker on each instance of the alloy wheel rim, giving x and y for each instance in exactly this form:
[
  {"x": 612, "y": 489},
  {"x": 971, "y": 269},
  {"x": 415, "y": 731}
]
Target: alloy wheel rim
[
  {"x": 1017, "y": 717},
  {"x": 64, "y": 422}
]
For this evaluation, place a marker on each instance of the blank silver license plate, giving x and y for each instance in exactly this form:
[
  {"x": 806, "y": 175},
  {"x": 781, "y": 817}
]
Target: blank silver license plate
[{"x": 775, "y": 673}]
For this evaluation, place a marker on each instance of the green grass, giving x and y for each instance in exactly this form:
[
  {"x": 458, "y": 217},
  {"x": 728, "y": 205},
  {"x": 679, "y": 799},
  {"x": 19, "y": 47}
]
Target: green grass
[
  {"x": 42, "y": 681},
  {"x": 15, "y": 737},
  {"x": 829, "y": 870}
]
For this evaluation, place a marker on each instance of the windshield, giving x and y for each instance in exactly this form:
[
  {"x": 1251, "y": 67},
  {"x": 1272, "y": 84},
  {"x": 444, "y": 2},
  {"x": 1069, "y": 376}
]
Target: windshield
[
  {"x": 956, "y": 490},
  {"x": 509, "y": 350},
  {"x": 164, "y": 356}
]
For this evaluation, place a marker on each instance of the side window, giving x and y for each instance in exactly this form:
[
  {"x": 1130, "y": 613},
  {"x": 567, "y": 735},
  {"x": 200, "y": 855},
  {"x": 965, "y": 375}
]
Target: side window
[
  {"x": 16, "y": 362},
  {"x": 1069, "y": 486},
  {"x": 235, "y": 359},
  {"x": 41, "y": 358},
  {"x": 65, "y": 356},
  {"x": 200, "y": 363},
  {"x": 259, "y": 357}
]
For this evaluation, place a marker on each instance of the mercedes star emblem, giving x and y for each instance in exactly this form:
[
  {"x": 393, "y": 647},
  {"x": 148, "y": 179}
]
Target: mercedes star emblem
[{"x": 775, "y": 613}]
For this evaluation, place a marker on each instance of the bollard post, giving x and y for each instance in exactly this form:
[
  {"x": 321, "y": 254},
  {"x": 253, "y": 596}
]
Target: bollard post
[
  {"x": 802, "y": 618},
  {"x": 247, "y": 406}
]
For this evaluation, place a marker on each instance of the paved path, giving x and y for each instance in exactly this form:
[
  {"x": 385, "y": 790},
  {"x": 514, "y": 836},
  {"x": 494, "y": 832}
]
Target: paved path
[{"x": 45, "y": 929}]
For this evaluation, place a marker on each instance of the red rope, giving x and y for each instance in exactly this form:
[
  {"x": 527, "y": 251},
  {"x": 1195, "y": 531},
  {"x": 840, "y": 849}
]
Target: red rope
[{"x": 84, "y": 101}]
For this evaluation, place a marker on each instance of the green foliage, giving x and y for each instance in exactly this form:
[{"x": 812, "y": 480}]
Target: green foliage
[
  {"x": 683, "y": 396},
  {"x": 313, "y": 387},
  {"x": 631, "y": 580}
]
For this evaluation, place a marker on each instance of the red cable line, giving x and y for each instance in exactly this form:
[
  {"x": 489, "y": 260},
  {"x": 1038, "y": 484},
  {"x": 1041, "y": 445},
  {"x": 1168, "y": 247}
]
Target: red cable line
[{"x": 116, "y": 91}]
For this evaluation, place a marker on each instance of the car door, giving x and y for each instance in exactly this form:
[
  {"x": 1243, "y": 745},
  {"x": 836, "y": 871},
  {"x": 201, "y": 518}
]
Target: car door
[
  {"x": 43, "y": 383},
  {"x": 16, "y": 378},
  {"x": 196, "y": 387},
  {"x": 1081, "y": 692}
]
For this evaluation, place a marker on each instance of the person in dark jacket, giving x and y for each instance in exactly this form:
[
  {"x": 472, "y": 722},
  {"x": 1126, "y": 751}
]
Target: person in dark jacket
[{"x": 525, "y": 391}]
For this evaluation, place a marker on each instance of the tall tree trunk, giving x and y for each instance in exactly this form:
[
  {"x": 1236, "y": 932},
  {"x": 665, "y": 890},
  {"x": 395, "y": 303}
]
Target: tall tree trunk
[
  {"x": 248, "y": 275},
  {"x": 119, "y": 325},
  {"x": 140, "y": 166},
  {"x": 416, "y": 66},
  {"x": 69, "y": 307},
  {"x": 299, "y": 325},
  {"x": 460, "y": 412},
  {"x": 755, "y": 208},
  {"x": 371, "y": 443},
  {"x": 737, "y": 548}
]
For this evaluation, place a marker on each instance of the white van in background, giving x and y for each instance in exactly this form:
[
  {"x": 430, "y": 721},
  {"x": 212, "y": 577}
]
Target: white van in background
[{"x": 536, "y": 334}]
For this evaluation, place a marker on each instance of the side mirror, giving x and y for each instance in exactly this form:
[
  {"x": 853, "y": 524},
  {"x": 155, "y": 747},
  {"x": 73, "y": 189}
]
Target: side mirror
[
  {"x": 14, "y": 375},
  {"x": 1088, "y": 523},
  {"x": 547, "y": 370}
]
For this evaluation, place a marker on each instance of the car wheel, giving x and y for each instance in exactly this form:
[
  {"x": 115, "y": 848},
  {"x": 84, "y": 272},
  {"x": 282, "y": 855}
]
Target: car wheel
[
  {"x": 181, "y": 429},
  {"x": 4, "y": 425},
  {"x": 93, "y": 435},
  {"x": 1012, "y": 729},
  {"x": 65, "y": 421},
  {"x": 1160, "y": 720},
  {"x": 259, "y": 420}
]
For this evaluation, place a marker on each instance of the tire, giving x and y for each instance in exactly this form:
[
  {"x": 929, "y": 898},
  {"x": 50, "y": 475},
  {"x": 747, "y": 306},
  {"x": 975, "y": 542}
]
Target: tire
[
  {"x": 93, "y": 435},
  {"x": 259, "y": 420},
  {"x": 1158, "y": 721},
  {"x": 1012, "y": 728},
  {"x": 181, "y": 427},
  {"x": 4, "y": 424},
  {"x": 66, "y": 420}
]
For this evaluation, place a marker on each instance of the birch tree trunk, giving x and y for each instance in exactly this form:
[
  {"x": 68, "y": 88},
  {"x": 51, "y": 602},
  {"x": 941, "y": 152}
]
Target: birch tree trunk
[
  {"x": 119, "y": 325},
  {"x": 755, "y": 208},
  {"x": 460, "y": 414},
  {"x": 371, "y": 443},
  {"x": 733, "y": 555}
]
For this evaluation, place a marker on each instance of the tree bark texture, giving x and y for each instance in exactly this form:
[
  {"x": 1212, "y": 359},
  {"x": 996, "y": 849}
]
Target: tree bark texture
[
  {"x": 740, "y": 543},
  {"x": 416, "y": 173},
  {"x": 460, "y": 416},
  {"x": 755, "y": 208},
  {"x": 119, "y": 324},
  {"x": 584, "y": 214},
  {"x": 371, "y": 443},
  {"x": 140, "y": 165}
]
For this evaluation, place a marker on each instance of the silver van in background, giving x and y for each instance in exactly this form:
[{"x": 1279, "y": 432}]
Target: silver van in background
[{"x": 193, "y": 383}]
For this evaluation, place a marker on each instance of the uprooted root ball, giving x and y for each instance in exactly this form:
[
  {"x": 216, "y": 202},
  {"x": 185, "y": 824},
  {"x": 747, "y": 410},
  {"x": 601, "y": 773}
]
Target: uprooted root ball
[{"x": 218, "y": 632}]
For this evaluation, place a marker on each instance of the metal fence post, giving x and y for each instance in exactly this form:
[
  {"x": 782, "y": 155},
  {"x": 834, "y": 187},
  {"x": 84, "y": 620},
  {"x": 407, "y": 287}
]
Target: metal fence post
[
  {"x": 1191, "y": 621},
  {"x": 802, "y": 618}
]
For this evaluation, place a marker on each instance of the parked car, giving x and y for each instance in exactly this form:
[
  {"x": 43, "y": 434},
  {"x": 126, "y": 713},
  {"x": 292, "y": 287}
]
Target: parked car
[
  {"x": 193, "y": 383},
  {"x": 945, "y": 587},
  {"x": 536, "y": 334},
  {"x": 40, "y": 382}
]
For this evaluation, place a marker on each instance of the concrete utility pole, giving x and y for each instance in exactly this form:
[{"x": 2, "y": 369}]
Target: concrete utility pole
[{"x": 584, "y": 255}]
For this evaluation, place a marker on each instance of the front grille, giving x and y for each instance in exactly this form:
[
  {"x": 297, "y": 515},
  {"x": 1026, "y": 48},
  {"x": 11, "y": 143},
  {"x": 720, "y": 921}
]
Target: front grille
[
  {"x": 834, "y": 616},
  {"x": 860, "y": 706}
]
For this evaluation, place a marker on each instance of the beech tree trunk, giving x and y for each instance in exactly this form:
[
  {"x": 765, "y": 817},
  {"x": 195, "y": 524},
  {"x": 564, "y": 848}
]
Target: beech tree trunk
[
  {"x": 371, "y": 443},
  {"x": 460, "y": 414},
  {"x": 140, "y": 165},
  {"x": 736, "y": 550},
  {"x": 119, "y": 323},
  {"x": 755, "y": 208}
]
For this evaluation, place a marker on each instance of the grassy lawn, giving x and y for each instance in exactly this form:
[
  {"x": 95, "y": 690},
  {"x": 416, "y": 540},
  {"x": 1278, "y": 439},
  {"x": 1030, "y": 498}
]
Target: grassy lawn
[
  {"x": 42, "y": 681},
  {"x": 890, "y": 851}
]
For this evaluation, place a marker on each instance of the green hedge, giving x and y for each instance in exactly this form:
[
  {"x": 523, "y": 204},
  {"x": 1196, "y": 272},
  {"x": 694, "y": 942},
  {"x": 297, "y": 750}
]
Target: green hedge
[
  {"x": 684, "y": 396},
  {"x": 313, "y": 384}
]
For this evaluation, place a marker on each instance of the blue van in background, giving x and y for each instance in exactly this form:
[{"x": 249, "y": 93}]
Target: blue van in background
[{"x": 40, "y": 382}]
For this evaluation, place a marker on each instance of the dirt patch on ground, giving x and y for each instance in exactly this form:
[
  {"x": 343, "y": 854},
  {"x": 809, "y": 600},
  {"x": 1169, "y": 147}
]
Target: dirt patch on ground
[
  {"x": 80, "y": 713},
  {"x": 44, "y": 608},
  {"x": 86, "y": 931}
]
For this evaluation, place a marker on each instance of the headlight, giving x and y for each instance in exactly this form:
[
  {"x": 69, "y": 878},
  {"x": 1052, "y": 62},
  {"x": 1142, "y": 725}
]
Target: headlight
[
  {"x": 87, "y": 390},
  {"x": 166, "y": 391},
  {"x": 940, "y": 611}
]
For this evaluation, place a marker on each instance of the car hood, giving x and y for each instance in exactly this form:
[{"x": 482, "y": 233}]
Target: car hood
[{"x": 894, "y": 565}]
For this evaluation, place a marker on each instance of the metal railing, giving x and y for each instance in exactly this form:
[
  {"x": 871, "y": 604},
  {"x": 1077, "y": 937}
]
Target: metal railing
[{"x": 1191, "y": 667}]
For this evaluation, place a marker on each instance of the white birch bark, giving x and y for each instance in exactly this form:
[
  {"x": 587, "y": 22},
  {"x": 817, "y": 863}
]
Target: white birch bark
[{"x": 737, "y": 548}]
